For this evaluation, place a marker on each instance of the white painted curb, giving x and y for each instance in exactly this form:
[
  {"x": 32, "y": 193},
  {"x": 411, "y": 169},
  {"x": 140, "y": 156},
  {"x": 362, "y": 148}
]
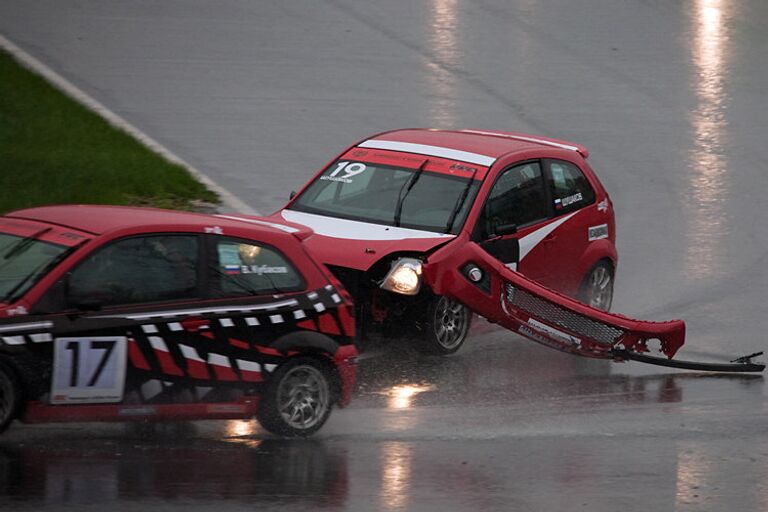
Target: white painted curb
[{"x": 229, "y": 200}]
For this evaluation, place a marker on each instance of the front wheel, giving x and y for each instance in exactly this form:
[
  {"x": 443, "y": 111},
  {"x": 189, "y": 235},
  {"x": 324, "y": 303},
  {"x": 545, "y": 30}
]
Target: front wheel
[
  {"x": 9, "y": 397},
  {"x": 597, "y": 288},
  {"x": 298, "y": 398},
  {"x": 447, "y": 325}
]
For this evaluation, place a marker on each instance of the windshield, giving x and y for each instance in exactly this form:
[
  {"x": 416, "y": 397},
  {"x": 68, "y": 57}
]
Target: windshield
[
  {"x": 22, "y": 262},
  {"x": 393, "y": 196}
]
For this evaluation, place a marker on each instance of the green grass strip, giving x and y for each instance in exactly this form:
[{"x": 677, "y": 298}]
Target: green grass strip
[{"x": 54, "y": 151}]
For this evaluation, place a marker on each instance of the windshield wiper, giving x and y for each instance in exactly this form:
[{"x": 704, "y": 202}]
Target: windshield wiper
[
  {"x": 407, "y": 186},
  {"x": 459, "y": 203},
  {"x": 24, "y": 243}
]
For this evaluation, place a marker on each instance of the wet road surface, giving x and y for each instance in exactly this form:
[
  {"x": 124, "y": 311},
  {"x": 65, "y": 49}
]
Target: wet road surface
[
  {"x": 494, "y": 428},
  {"x": 669, "y": 97}
]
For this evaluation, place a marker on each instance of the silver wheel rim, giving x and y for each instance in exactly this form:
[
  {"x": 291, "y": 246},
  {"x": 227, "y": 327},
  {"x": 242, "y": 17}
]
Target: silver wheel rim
[
  {"x": 451, "y": 323},
  {"x": 600, "y": 288},
  {"x": 302, "y": 397}
]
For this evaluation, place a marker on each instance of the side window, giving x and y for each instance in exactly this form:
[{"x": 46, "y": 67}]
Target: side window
[
  {"x": 517, "y": 198},
  {"x": 247, "y": 268},
  {"x": 570, "y": 189},
  {"x": 138, "y": 269}
]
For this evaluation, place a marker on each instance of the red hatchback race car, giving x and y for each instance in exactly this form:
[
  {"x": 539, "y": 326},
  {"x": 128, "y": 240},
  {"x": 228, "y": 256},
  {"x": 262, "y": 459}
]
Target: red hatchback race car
[
  {"x": 114, "y": 313},
  {"x": 389, "y": 209}
]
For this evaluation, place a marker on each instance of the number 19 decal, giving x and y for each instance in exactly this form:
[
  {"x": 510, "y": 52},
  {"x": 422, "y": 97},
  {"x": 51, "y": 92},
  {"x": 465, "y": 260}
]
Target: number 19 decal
[{"x": 88, "y": 370}]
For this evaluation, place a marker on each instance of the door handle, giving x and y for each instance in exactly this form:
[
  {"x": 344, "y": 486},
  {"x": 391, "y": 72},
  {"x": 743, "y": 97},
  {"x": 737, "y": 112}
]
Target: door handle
[
  {"x": 550, "y": 238},
  {"x": 195, "y": 324}
]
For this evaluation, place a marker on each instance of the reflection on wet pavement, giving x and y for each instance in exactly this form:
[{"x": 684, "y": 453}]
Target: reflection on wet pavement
[
  {"x": 709, "y": 174},
  {"x": 475, "y": 430}
]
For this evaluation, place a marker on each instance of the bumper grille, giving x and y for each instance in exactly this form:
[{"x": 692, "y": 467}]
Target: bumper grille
[{"x": 551, "y": 313}]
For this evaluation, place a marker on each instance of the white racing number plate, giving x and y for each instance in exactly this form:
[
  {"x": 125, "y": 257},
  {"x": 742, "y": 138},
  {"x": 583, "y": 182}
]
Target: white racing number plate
[{"x": 88, "y": 370}]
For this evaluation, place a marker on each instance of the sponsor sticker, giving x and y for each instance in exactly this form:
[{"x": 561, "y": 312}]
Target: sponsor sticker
[
  {"x": 567, "y": 201},
  {"x": 598, "y": 232},
  {"x": 554, "y": 333}
]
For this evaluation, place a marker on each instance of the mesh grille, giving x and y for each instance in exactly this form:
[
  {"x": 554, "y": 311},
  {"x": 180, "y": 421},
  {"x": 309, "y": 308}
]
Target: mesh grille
[{"x": 569, "y": 320}]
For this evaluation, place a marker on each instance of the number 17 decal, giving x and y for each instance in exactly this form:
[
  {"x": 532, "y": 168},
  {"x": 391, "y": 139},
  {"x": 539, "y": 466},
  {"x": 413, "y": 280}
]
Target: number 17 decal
[{"x": 88, "y": 370}]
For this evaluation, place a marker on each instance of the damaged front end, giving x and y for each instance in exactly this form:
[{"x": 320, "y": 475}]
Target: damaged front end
[{"x": 506, "y": 297}]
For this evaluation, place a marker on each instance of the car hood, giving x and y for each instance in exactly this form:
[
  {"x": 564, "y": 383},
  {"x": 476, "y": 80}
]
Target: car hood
[{"x": 355, "y": 244}]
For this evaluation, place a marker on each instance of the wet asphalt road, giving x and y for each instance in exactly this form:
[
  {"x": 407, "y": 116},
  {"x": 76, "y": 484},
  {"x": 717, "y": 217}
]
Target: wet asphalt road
[{"x": 669, "y": 97}]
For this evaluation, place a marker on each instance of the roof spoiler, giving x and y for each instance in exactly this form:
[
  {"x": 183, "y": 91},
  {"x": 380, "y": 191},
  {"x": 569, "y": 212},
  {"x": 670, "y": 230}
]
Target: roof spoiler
[{"x": 546, "y": 141}]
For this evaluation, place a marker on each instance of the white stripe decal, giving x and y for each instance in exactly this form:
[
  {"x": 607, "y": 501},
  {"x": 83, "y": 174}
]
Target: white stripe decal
[
  {"x": 276, "y": 319},
  {"x": 319, "y": 307},
  {"x": 13, "y": 340},
  {"x": 219, "y": 360},
  {"x": 149, "y": 328},
  {"x": 251, "y": 321},
  {"x": 248, "y": 366},
  {"x": 525, "y": 139},
  {"x": 355, "y": 230},
  {"x": 41, "y": 338},
  {"x": 226, "y": 322},
  {"x": 424, "y": 149},
  {"x": 190, "y": 353},
  {"x": 175, "y": 326},
  {"x": 270, "y": 367},
  {"x": 26, "y": 327},
  {"x": 299, "y": 314},
  {"x": 532, "y": 239},
  {"x": 158, "y": 343},
  {"x": 202, "y": 311},
  {"x": 281, "y": 227}
]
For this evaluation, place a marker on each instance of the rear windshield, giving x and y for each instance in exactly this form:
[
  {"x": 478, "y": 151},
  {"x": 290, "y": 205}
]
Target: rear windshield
[
  {"x": 393, "y": 196},
  {"x": 23, "y": 261}
]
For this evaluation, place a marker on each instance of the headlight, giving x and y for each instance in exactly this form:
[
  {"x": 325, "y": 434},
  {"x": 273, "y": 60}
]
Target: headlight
[{"x": 404, "y": 277}]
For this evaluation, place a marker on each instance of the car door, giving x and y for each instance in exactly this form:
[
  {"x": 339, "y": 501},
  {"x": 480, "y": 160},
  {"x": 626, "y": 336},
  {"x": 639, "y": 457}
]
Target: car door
[
  {"x": 113, "y": 342},
  {"x": 517, "y": 210},
  {"x": 568, "y": 236}
]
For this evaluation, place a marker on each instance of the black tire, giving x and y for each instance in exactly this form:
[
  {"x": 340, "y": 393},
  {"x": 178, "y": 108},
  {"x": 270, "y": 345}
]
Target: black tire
[
  {"x": 446, "y": 327},
  {"x": 298, "y": 398},
  {"x": 9, "y": 396},
  {"x": 597, "y": 287}
]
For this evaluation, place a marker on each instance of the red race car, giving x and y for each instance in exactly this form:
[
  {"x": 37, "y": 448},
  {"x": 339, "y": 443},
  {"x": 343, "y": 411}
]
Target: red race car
[
  {"x": 389, "y": 209},
  {"x": 114, "y": 313}
]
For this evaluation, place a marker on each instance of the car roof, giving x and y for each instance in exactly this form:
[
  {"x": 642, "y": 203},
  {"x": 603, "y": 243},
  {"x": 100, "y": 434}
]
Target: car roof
[
  {"x": 477, "y": 146},
  {"x": 100, "y": 219}
]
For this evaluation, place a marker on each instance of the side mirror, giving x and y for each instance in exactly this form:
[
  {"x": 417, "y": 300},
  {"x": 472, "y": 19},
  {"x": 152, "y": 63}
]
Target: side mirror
[
  {"x": 506, "y": 229},
  {"x": 506, "y": 250},
  {"x": 292, "y": 194}
]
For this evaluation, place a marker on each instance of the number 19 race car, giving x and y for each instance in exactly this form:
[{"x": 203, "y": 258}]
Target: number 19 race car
[
  {"x": 113, "y": 313},
  {"x": 387, "y": 209},
  {"x": 425, "y": 226}
]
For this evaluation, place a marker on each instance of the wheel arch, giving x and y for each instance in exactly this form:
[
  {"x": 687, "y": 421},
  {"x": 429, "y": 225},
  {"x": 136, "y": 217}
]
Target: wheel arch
[{"x": 316, "y": 345}]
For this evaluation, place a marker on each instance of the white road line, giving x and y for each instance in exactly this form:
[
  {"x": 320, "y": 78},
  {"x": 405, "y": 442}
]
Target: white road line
[{"x": 228, "y": 199}]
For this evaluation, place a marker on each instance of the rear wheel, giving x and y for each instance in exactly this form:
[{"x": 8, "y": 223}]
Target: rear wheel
[
  {"x": 597, "y": 289},
  {"x": 298, "y": 398},
  {"x": 9, "y": 396},
  {"x": 447, "y": 325}
]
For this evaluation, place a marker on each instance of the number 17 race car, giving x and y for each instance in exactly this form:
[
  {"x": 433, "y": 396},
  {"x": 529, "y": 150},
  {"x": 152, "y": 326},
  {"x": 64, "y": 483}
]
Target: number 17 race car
[{"x": 116, "y": 314}]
